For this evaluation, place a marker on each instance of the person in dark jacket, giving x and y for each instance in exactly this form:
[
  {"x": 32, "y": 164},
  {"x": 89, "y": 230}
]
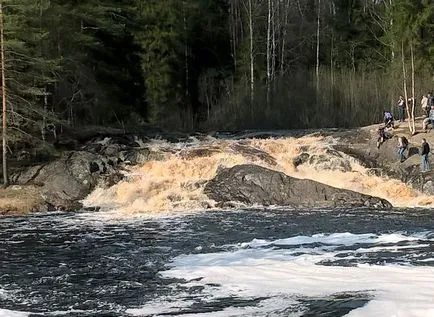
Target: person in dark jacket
[
  {"x": 424, "y": 151},
  {"x": 382, "y": 135},
  {"x": 401, "y": 108}
]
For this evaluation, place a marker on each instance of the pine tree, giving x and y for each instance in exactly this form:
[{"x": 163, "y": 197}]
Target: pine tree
[
  {"x": 29, "y": 72},
  {"x": 160, "y": 39}
]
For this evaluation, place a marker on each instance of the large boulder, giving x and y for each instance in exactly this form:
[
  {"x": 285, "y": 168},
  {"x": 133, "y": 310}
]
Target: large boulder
[
  {"x": 65, "y": 181},
  {"x": 252, "y": 184}
]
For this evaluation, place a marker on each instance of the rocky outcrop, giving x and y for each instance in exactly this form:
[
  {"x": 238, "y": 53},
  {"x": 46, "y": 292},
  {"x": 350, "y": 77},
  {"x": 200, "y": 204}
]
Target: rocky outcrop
[
  {"x": 65, "y": 181},
  {"x": 252, "y": 184},
  {"x": 360, "y": 144}
]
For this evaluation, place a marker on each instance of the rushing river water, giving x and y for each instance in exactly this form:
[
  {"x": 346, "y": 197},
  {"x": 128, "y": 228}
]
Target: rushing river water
[{"x": 242, "y": 263}]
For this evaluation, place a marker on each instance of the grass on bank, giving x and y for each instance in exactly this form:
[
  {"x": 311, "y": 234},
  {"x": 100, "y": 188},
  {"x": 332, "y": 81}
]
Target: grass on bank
[{"x": 18, "y": 200}]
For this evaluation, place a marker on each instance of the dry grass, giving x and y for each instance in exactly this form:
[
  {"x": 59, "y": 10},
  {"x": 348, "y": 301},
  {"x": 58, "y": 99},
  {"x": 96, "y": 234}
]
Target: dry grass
[{"x": 20, "y": 200}]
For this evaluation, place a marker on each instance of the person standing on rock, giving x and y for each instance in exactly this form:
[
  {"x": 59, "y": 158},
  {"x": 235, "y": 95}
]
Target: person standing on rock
[
  {"x": 424, "y": 106},
  {"x": 401, "y": 108},
  {"x": 424, "y": 151},
  {"x": 402, "y": 146},
  {"x": 429, "y": 120},
  {"x": 430, "y": 101}
]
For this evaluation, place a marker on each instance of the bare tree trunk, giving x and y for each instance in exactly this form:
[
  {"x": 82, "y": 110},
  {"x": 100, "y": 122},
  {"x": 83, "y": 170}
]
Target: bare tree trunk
[
  {"x": 317, "y": 46},
  {"x": 233, "y": 31},
  {"x": 187, "y": 75},
  {"x": 284, "y": 33},
  {"x": 404, "y": 73},
  {"x": 4, "y": 127},
  {"x": 392, "y": 53},
  {"x": 353, "y": 58},
  {"x": 187, "y": 106},
  {"x": 413, "y": 99},
  {"x": 299, "y": 10},
  {"x": 44, "y": 119},
  {"x": 274, "y": 18},
  {"x": 252, "y": 60},
  {"x": 332, "y": 79},
  {"x": 268, "y": 53}
]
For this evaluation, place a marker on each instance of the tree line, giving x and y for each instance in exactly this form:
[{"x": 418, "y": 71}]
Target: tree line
[{"x": 211, "y": 64}]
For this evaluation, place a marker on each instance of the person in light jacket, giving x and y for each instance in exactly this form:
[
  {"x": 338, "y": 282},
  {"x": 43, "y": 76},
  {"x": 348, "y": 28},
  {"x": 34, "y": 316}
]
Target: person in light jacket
[
  {"x": 424, "y": 106},
  {"x": 402, "y": 146}
]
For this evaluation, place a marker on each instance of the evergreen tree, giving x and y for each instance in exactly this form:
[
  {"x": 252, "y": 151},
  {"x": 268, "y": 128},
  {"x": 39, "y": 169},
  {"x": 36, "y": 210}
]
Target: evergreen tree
[
  {"x": 160, "y": 40},
  {"x": 29, "y": 71}
]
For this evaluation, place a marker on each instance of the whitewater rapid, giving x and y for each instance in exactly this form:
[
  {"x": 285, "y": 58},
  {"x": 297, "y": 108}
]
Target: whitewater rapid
[{"x": 176, "y": 182}]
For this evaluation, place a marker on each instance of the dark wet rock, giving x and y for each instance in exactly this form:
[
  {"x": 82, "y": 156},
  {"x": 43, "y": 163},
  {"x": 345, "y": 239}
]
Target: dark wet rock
[
  {"x": 362, "y": 155},
  {"x": 139, "y": 156},
  {"x": 194, "y": 184},
  {"x": 428, "y": 185},
  {"x": 66, "y": 180},
  {"x": 94, "y": 148},
  {"x": 253, "y": 153},
  {"x": 300, "y": 159},
  {"x": 331, "y": 160},
  {"x": 112, "y": 150},
  {"x": 93, "y": 167},
  {"x": 111, "y": 179},
  {"x": 199, "y": 152},
  {"x": 252, "y": 184},
  {"x": 23, "y": 155}
]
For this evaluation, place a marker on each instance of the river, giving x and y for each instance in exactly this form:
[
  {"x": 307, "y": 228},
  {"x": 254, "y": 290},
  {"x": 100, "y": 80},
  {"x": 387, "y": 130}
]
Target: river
[{"x": 251, "y": 262}]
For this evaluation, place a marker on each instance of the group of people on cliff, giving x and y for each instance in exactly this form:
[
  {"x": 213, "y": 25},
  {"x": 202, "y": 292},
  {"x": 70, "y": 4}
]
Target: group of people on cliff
[
  {"x": 427, "y": 104},
  {"x": 383, "y": 132},
  {"x": 423, "y": 151}
]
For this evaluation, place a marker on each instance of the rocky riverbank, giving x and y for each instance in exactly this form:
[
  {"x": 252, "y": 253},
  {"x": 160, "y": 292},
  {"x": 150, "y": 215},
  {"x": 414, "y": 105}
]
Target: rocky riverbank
[{"x": 101, "y": 160}]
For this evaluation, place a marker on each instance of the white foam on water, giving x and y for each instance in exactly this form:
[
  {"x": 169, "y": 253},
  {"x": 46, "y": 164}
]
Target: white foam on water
[
  {"x": 345, "y": 238},
  {"x": 67, "y": 312},
  {"x": 265, "y": 306},
  {"x": 11, "y": 313},
  {"x": 260, "y": 269}
]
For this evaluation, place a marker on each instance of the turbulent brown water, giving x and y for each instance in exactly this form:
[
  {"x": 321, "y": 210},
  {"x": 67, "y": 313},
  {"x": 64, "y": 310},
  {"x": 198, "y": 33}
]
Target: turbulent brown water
[{"x": 176, "y": 182}]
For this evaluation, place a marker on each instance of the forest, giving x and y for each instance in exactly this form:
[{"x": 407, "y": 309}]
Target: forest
[{"x": 198, "y": 65}]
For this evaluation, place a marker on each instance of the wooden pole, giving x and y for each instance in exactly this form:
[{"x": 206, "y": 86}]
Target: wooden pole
[{"x": 3, "y": 82}]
